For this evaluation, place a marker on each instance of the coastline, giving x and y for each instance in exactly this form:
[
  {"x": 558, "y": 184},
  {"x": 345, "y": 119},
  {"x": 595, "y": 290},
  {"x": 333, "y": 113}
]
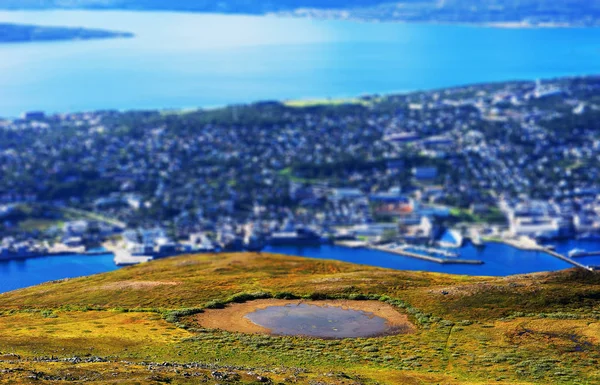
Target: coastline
[
  {"x": 327, "y": 15},
  {"x": 515, "y": 263},
  {"x": 22, "y": 33},
  {"x": 527, "y": 246},
  {"x": 473, "y": 24},
  {"x": 54, "y": 254}
]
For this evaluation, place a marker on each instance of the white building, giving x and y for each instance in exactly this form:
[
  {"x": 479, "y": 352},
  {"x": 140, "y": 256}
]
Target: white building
[
  {"x": 585, "y": 223},
  {"x": 535, "y": 227}
]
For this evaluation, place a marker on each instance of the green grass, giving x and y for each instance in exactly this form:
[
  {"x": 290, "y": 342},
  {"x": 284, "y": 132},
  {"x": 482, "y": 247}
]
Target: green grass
[
  {"x": 534, "y": 329},
  {"x": 30, "y": 225},
  {"x": 494, "y": 216},
  {"x": 289, "y": 174}
]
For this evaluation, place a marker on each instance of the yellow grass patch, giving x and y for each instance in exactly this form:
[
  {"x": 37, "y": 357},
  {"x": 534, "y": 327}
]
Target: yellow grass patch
[
  {"x": 135, "y": 285},
  {"x": 84, "y": 332}
]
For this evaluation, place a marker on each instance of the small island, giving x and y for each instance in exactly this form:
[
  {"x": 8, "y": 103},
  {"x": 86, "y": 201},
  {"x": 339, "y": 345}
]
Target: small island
[{"x": 18, "y": 33}]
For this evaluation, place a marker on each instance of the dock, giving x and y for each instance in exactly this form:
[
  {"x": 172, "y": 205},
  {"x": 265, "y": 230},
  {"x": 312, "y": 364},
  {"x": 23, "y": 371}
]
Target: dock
[
  {"x": 443, "y": 253},
  {"x": 525, "y": 244},
  {"x": 442, "y": 261},
  {"x": 124, "y": 258}
]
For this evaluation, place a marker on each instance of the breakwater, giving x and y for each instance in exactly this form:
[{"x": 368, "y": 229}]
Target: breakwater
[
  {"x": 443, "y": 261},
  {"x": 569, "y": 260}
]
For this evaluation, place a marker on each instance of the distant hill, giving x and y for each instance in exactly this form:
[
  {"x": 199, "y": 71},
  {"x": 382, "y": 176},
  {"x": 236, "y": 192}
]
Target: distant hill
[
  {"x": 525, "y": 12},
  {"x": 144, "y": 325},
  {"x": 250, "y": 6},
  {"x": 16, "y": 33}
]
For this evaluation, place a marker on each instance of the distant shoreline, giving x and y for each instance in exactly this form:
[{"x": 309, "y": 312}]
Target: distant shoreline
[
  {"x": 15, "y": 33},
  {"x": 475, "y": 24},
  {"x": 316, "y": 14}
]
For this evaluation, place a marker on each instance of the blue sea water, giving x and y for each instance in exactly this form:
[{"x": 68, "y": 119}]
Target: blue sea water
[
  {"x": 18, "y": 274},
  {"x": 566, "y": 246},
  {"x": 499, "y": 259},
  {"x": 189, "y": 60}
]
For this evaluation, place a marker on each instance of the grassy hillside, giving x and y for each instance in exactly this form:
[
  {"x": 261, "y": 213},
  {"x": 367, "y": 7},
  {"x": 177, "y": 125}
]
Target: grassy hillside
[{"x": 137, "y": 325}]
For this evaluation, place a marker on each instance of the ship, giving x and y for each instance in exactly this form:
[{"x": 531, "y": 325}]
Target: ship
[
  {"x": 200, "y": 243},
  {"x": 589, "y": 237},
  {"x": 302, "y": 236},
  {"x": 229, "y": 242},
  {"x": 476, "y": 239},
  {"x": 577, "y": 253},
  {"x": 452, "y": 239},
  {"x": 254, "y": 243}
]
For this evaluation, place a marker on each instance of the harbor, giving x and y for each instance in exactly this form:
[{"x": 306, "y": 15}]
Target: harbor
[
  {"x": 499, "y": 260},
  {"x": 402, "y": 251},
  {"x": 569, "y": 260}
]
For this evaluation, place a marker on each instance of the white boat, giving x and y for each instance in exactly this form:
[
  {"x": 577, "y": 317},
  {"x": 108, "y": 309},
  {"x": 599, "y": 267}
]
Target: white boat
[
  {"x": 452, "y": 239},
  {"x": 301, "y": 236},
  {"x": 589, "y": 237},
  {"x": 576, "y": 253},
  {"x": 476, "y": 239}
]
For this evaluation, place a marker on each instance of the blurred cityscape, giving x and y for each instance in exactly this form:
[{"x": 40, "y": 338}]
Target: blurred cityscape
[{"x": 515, "y": 162}]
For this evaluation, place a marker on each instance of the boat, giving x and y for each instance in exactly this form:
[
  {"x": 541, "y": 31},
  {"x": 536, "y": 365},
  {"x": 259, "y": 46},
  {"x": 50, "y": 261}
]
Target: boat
[
  {"x": 123, "y": 257},
  {"x": 25, "y": 251},
  {"x": 254, "y": 243},
  {"x": 200, "y": 243},
  {"x": 452, "y": 239},
  {"x": 165, "y": 248},
  {"x": 583, "y": 253},
  {"x": 476, "y": 239},
  {"x": 205, "y": 246},
  {"x": 302, "y": 236},
  {"x": 589, "y": 237},
  {"x": 577, "y": 253},
  {"x": 229, "y": 243}
]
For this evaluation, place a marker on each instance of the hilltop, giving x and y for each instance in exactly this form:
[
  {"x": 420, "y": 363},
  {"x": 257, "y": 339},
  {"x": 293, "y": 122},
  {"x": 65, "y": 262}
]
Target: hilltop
[{"x": 140, "y": 324}]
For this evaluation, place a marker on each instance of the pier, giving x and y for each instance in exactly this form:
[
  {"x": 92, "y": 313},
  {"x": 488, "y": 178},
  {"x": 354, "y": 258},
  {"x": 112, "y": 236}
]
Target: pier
[
  {"x": 528, "y": 244},
  {"x": 124, "y": 258},
  {"x": 568, "y": 260},
  {"x": 429, "y": 250},
  {"x": 443, "y": 261}
]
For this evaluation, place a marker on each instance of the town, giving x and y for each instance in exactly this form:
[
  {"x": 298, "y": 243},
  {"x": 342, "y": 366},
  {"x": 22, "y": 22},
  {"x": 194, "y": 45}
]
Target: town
[{"x": 515, "y": 162}]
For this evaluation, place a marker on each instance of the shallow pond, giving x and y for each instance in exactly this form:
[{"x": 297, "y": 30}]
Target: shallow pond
[{"x": 320, "y": 321}]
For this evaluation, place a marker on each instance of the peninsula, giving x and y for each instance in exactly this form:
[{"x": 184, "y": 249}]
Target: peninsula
[{"x": 19, "y": 33}]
